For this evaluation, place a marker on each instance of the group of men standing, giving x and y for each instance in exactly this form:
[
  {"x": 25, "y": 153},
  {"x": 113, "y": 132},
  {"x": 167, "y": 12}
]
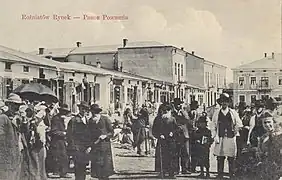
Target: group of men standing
[{"x": 182, "y": 135}]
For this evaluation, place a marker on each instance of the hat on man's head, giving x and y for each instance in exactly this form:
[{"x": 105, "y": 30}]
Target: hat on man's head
[
  {"x": 14, "y": 98},
  {"x": 95, "y": 108},
  {"x": 83, "y": 104},
  {"x": 64, "y": 107},
  {"x": 177, "y": 101},
  {"x": 224, "y": 97}
]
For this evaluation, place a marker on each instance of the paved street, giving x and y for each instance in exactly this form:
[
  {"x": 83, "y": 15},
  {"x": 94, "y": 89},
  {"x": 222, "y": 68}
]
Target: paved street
[{"x": 130, "y": 166}]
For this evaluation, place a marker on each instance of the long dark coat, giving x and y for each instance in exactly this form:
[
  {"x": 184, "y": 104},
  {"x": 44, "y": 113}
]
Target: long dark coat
[
  {"x": 202, "y": 139},
  {"x": 78, "y": 139},
  {"x": 101, "y": 153},
  {"x": 58, "y": 144},
  {"x": 166, "y": 148},
  {"x": 10, "y": 156}
]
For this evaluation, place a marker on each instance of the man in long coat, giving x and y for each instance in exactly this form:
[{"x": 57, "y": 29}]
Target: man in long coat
[
  {"x": 225, "y": 127},
  {"x": 165, "y": 129},
  {"x": 11, "y": 142},
  {"x": 78, "y": 140},
  {"x": 101, "y": 131},
  {"x": 58, "y": 141},
  {"x": 183, "y": 137}
]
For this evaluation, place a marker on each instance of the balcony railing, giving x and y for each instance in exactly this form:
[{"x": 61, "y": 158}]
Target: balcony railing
[{"x": 264, "y": 87}]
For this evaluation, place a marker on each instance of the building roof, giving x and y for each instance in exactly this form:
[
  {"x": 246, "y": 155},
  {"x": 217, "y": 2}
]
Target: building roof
[
  {"x": 64, "y": 52},
  {"x": 21, "y": 57},
  {"x": 264, "y": 63},
  {"x": 93, "y": 69}
]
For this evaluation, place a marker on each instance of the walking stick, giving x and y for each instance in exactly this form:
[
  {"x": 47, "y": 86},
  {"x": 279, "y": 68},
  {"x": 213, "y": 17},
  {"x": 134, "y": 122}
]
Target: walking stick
[
  {"x": 146, "y": 143},
  {"x": 149, "y": 144},
  {"x": 161, "y": 162}
]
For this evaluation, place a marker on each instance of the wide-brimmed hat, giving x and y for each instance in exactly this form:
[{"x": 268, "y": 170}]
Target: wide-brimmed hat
[
  {"x": 224, "y": 97},
  {"x": 177, "y": 101},
  {"x": 14, "y": 98},
  {"x": 64, "y": 107},
  {"x": 95, "y": 108},
  {"x": 83, "y": 104}
]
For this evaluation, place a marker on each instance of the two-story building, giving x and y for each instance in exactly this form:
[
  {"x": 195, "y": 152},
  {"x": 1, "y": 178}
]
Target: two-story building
[
  {"x": 173, "y": 71},
  {"x": 207, "y": 75},
  {"x": 259, "y": 79}
]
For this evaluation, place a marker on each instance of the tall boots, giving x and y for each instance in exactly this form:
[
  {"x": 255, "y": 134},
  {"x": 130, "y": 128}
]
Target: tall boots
[
  {"x": 231, "y": 165},
  {"x": 220, "y": 166}
]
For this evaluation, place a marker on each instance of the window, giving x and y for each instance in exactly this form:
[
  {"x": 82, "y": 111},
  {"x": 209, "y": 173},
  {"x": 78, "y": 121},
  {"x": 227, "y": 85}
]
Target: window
[
  {"x": 181, "y": 69},
  {"x": 8, "y": 65},
  {"x": 264, "y": 82},
  {"x": 97, "y": 92},
  {"x": 175, "y": 68},
  {"x": 25, "y": 69},
  {"x": 280, "y": 80},
  {"x": 242, "y": 98},
  {"x": 264, "y": 96},
  {"x": 200, "y": 99},
  {"x": 241, "y": 82},
  {"x": 253, "y": 81},
  {"x": 253, "y": 98},
  {"x": 178, "y": 70}
]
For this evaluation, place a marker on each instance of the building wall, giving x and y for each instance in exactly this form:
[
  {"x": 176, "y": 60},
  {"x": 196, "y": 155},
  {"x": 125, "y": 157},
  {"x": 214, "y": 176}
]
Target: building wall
[
  {"x": 154, "y": 62},
  {"x": 248, "y": 88},
  {"x": 106, "y": 59},
  {"x": 194, "y": 70},
  {"x": 178, "y": 66},
  {"x": 215, "y": 81}
]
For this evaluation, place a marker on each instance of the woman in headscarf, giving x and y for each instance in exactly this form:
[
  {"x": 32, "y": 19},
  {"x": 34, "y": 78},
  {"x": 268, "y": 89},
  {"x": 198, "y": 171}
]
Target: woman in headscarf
[{"x": 165, "y": 129}]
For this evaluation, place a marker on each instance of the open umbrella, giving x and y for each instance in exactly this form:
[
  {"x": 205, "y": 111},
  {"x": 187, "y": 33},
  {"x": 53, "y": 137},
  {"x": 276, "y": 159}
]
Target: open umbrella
[{"x": 36, "y": 92}]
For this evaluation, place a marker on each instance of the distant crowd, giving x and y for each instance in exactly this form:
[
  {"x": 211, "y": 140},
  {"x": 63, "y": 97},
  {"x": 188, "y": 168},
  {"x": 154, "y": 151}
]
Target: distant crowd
[{"x": 39, "y": 140}]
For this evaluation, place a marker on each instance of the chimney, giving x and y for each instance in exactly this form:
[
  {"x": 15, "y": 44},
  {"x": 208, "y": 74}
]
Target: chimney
[
  {"x": 182, "y": 48},
  {"x": 193, "y": 52},
  {"x": 98, "y": 64},
  {"x": 265, "y": 55},
  {"x": 273, "y": 55},
  {"x": 78, "y": 44},
  {"x": 124, "y": 42},
  {"x": 41, "y": 51}
]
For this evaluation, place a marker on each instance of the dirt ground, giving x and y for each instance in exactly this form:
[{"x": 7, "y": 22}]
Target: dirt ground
[{"x": 128, "y": 165}]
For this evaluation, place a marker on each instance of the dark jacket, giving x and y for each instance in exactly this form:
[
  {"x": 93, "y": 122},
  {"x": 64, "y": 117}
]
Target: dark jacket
[
  {"x": 10, "y": 156},
  {"x": 78, "y": 138},
  {"x": 101, "y": 153}
]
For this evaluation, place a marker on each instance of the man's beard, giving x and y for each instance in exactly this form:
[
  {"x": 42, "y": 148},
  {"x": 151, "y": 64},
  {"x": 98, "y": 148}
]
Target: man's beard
[{"x": 167, "y": 115}]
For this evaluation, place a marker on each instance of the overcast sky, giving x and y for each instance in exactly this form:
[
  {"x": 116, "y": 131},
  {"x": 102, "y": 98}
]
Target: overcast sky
[{"x": 228, "y": 32}]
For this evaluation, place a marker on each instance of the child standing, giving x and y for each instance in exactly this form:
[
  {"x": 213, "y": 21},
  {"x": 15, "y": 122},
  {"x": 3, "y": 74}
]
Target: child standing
[{"x": 203, "y": 141}]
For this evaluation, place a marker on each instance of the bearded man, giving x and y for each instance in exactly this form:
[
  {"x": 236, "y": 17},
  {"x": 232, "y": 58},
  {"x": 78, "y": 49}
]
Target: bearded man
[{"x": 164, "y": 129}]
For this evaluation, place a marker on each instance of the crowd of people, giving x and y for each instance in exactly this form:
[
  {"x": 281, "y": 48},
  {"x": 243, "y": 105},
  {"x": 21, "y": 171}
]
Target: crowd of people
[
  {"x": 48, "y": 137},
  {"x": 37, "y": 140},
  {"x": 251, "y": 141}
]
